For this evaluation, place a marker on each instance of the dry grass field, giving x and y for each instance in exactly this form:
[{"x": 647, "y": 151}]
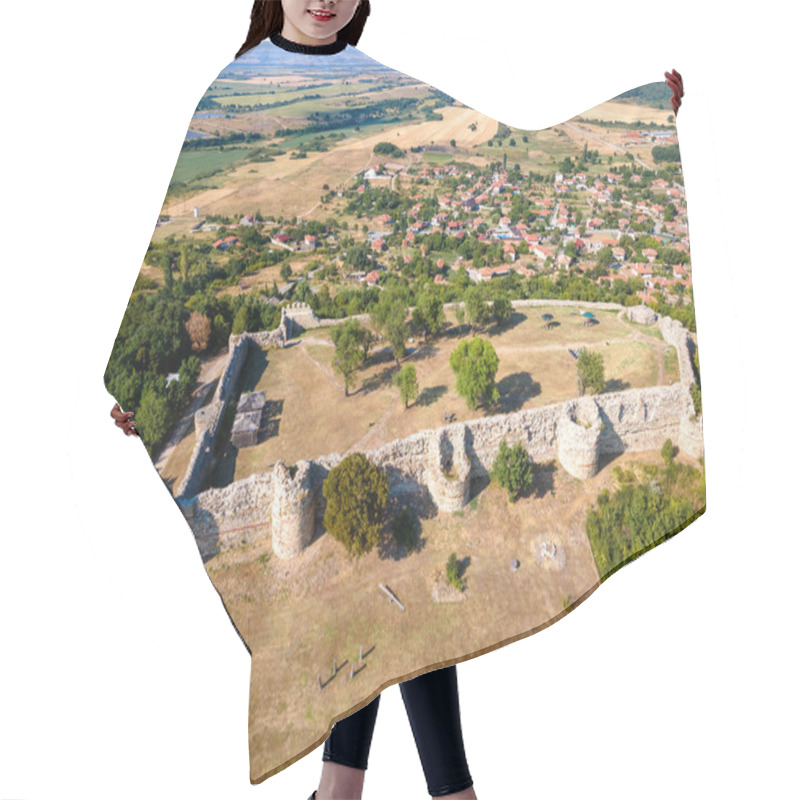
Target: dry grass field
[
  {"x": 309, "y": 415},
  {"x": 288, "y": 186},
  {"x": 303, "y": 603},
  {"x": 631, "y": 113}
]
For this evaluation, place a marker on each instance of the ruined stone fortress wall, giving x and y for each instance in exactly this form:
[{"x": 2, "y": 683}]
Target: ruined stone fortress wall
[
  {"x": 207, "y": 419},
  {"x": 287, "y": 503},
  {"x": 676, "y": 335}
]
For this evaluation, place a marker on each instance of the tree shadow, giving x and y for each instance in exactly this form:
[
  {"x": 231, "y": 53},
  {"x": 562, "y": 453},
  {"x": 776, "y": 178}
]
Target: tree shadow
[
  {"x": 462, "y": 565},
  {"x": 452, "y": 330},
  {"x": 422, "y": 352},
  {"x": 543, "y": 479},
  {"x": 413, "y": 509},
  {"x": 516, "y": 318},
  {"x": 430, "y": 395},
  {"x": 515, "y": 390},
  {"x": 380, "y": 355},
  {"x": 616, "y": 385},
  {"x": 376, "y": 381}
]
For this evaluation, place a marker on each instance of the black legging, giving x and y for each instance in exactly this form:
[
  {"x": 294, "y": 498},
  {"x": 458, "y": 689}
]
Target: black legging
[{"x": 432, "y": 706}]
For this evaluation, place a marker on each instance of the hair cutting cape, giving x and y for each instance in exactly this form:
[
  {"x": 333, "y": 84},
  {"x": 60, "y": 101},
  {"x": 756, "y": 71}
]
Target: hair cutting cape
[{"x": 418, "y": 380}]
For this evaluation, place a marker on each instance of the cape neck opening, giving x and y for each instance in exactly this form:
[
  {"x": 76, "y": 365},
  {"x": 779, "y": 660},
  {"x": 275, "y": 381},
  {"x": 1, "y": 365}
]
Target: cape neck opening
[{"x": 311, "y": 49}]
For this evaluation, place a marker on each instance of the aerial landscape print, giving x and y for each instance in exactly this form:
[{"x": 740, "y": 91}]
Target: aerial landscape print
[{"x": 418, "y": 380}]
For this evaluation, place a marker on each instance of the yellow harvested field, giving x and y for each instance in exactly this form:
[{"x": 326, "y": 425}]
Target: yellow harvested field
[
  {"x": 290, "y": 186},
  {"x": 612, "y": 111}
]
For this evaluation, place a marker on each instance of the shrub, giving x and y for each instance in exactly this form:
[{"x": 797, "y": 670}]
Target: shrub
[
  {"x": 513, "y": 470},
  {"x": 453, "y": 577},
  {"x": 356, "y": 491}
]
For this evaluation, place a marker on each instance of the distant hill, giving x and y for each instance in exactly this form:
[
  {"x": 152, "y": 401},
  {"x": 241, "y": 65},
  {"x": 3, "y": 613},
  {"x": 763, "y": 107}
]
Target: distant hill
[
  {"x": 654, "y": 95},
  {"x": 267, "y": 58}
]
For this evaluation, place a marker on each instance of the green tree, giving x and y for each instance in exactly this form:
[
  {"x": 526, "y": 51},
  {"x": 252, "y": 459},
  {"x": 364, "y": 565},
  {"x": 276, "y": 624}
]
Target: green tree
[
  {"x": 513, "y": 470},
  {"x": 697, "y": 398},
  {"x": 640, "y": 513},
  {"x": 461, "y": 316},
  {"x": 356, "y": 491},
  {"x": 184, "y": 265},
  {"x": 389, "y": 318},
  {"x": 591, "y": 372},
  {"x": 502, "y": 310},
  {"x": 240, "y": 320},
  {"x": 406, "y": 382},
  {"x": 670, "y": 467},
  {"x": 428, "y": 313},
  {"x": 348, "y": 339},
  {"x": 478, "y": 310},
  {"x": 475, "y": 364},
  {"x": 605, "y": 258},
  {"x": 286, "y": 271},
  {"x": 368, "y": 339},
  {"x": 153, "y": 418}
]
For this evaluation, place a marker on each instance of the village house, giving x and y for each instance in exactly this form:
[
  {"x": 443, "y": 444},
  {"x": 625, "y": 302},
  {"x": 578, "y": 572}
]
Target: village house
[
  {"x": 487, "y": 273},
  {"x": 617, "y": 277},
  {"x": 309, "y": 242},
  {"x": 226, "y": 243},
  {"x": 510, "y": 251},
  {"x": 641, "y": 270},
  {"x": 542, "y": 252}
]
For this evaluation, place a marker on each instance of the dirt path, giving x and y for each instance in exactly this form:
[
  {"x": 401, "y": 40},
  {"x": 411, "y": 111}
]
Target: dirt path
[
  {"x": 641, "y": 337},
  {"x": 325, "y": 371},
  {"x": 374, "y": 435}
]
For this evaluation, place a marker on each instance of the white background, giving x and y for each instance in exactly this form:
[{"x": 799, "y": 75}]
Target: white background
[{"x": 120, "y": 673}]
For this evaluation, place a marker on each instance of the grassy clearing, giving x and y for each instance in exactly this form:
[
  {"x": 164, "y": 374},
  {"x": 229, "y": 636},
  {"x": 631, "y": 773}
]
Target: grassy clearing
[
  {"x": 310, "y": 415},
  {"x": 672, "y": 370}
]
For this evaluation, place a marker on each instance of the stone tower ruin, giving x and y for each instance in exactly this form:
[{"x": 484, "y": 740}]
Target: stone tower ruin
[
  {"x": 293, "y": 509},
  {"x": 577, "y": 437},
  {"x": 449, "y": 468}
]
